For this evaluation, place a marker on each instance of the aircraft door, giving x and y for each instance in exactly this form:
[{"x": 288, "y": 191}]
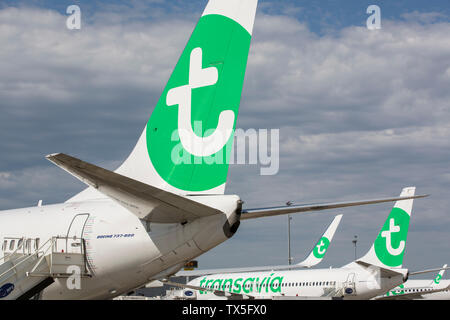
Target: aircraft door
[
  {"x": 75, "y": 233},
  {"x": 349, "y": 285},
  {"x": 4, "y": 243}
]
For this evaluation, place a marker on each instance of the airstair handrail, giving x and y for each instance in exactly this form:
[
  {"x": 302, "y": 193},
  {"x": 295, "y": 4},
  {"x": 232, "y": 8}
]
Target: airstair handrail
[
  {"x": 48, "y": 248},
  {"x": 52, "y": 241}
]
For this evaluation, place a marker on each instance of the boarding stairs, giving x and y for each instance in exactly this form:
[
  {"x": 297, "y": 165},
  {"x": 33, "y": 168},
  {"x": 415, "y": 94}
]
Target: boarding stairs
[
  {"x": 27, "y": 268},
  {"x": 342, "y": 289}
]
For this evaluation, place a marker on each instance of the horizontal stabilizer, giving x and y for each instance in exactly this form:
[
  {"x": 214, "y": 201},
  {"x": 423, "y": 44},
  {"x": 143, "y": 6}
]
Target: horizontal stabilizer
[
  {"x": 145, "y": 201},
  {"x": 385, "y": 272},
  {"x": 275, "y": 211}
]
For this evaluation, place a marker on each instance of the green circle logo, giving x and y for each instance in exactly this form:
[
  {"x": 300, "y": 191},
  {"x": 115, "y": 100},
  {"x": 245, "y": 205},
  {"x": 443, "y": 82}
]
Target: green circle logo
[
  {"x": 321, "y": 248},
  {"x": 191, "y": 130},
  {"x": 391, "y": 241},
  {"x": 438, "y": 279}
]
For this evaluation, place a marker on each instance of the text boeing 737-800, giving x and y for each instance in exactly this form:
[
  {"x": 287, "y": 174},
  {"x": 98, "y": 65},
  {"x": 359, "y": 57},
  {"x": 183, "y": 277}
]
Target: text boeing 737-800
[{"x": 147, "y": 218}]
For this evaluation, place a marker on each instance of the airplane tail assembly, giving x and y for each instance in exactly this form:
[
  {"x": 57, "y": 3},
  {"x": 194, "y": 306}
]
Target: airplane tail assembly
[
  {"x": 182, "y": 155},
  {"x": 437, "y": 280},
  {"x": 390, "y": 245},
  {"x": 186, "y": 144},
  {"x": 318, "y": 252}
]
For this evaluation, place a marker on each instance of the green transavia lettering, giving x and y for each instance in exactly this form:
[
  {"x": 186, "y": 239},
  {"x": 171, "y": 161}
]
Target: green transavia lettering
[{"x": 244, "y": 285}]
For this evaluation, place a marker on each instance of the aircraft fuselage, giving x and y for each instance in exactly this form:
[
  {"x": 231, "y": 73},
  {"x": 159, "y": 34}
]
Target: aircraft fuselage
[{"x": 122, "y": 251}]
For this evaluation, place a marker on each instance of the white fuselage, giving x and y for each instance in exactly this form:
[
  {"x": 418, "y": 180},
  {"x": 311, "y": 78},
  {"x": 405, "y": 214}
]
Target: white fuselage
[
  {"x": 348, "y": 282},
  {"x": 123, "y": 252}
]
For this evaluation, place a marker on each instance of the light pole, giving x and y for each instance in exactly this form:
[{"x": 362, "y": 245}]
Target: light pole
[
  {"x": 289, "y": 235},
  {"x": 355, "y": 240}
]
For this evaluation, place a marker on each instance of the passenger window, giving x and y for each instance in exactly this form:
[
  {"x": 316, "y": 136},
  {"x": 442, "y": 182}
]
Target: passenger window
[{"x": 19, "y": 244}]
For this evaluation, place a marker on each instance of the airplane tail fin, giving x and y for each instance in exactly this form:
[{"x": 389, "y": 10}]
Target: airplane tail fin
[
  {"x": 320, "y": 249},
  {"x": 439, "y": 276},
  {"x": 389, "y": 247},
  {"x": 186, "y": 144}
]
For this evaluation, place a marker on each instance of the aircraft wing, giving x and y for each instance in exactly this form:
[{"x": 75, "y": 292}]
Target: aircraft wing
[
  {"x": 310, "y": 261},
  {"x": 429, "y": 270},
  {"x": 145, "y": 201},
  {"x": 205, "y": 272},
  {"x": 274, "y": 211},
  {"x": 412, "y": 295}
]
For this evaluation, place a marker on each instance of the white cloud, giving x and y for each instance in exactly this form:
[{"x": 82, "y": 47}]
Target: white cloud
[
  {"x": 397, "y": 74},
  {"x": 361, "y": 113},
  {"x": 423, "y": 17}
]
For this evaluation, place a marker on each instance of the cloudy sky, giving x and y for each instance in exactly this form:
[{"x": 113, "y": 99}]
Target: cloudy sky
[{"x": 361, "y": 113}]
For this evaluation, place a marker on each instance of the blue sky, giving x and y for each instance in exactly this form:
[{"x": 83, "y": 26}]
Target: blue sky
[{"x": 361, "y": 114}]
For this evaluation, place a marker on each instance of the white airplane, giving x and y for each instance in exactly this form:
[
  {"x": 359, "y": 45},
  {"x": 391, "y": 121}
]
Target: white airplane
[
  {"x": 436, "y": 289},
  {"x": 316, "y": 255},
  {"x": 375, "y": 273},
  {"x": 165, "y": 205}
]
